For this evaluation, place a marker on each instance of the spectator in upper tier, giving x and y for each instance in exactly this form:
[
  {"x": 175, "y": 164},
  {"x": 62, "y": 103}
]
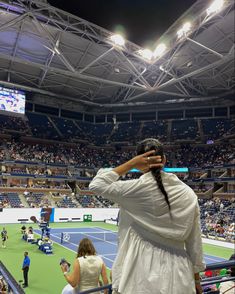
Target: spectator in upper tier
[{"x": 87, "y": 269}]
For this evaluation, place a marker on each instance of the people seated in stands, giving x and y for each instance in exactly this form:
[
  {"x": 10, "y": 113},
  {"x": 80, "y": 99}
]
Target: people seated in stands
[
  {"x": 210, "y": 288},
  {"x": 3, "y": 286}
]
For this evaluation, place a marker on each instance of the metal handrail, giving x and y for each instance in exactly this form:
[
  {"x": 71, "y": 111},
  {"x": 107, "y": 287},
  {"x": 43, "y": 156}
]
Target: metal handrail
[
  {"x": 109, "y": 287},
  {"x": 12, "y": 284},
  {"x": 207, "y": 282},
  {"x": 220, "y": 265},
  {"x": 221, "y": 280}
]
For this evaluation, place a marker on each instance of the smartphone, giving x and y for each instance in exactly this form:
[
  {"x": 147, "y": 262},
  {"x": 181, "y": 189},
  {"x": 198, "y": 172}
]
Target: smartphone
[{"x": 64, "y": 261}]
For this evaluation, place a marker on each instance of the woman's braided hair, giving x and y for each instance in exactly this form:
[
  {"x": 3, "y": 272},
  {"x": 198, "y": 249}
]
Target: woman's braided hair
[{"x": 153, "y": 144}]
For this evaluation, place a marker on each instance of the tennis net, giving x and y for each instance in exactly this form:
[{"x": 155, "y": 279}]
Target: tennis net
[{"x": 76, "y": 237}]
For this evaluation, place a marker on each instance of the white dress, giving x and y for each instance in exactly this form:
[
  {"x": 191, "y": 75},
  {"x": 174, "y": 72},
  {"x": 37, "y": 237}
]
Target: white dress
[
  {"x": 157, "y": 254},
  {"x": 90, "y": 270}
]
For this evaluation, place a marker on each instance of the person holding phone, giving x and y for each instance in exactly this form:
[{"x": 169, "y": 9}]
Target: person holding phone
[
  {"x": 87, "y": 269},
  {"x": 160, "y": 246}
]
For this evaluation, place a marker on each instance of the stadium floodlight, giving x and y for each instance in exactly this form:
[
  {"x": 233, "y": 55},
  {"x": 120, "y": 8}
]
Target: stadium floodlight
[
  {"x": 117, "y": 40},
  {"x": 215, "y": 7},
  {"x": 160, "y": 49},
  {"x": 146, "y": 54},
  {"x": 184, "y": 30}
]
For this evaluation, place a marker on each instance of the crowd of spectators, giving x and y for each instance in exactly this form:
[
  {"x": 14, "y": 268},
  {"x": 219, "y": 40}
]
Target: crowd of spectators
[
  {"x": 67, "y": 201},
  {"x": 55, "y": 128},
  {"x": 209, "y": 155},
  {"x": 82, "y": 156},
  {"x": 14, "y": 123},
  {"x": 185, "y": 130},
  {"x": 89, "y": 201},
  {"x": 10, "y": 200},
  {"x": 217, "y": 128},
  {"x": 217, "y": 218},
  {"x": 36, "y": 199}
]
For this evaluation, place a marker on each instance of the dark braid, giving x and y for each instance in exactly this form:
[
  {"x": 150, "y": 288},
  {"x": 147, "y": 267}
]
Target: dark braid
[
  {"x": 153, "y": 144},
  {"x": 156, "y": 172}
]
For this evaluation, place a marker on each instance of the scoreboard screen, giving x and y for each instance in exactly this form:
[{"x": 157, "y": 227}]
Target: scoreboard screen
[{"x": 12, "y": 100}]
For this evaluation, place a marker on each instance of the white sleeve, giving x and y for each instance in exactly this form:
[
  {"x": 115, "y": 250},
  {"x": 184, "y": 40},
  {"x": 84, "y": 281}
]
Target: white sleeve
[
  {"x": 193, "y": 244},
  {"x": 105, "y": 184}
]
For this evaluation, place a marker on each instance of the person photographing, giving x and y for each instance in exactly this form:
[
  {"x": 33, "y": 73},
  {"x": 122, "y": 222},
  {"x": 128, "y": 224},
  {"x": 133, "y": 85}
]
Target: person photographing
[
  {"x": 87, "y": 269},
  {"x": 160, "y": 246}
]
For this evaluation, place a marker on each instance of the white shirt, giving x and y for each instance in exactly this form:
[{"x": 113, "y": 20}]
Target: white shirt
[
  {"x": 90, "y": 270},
  {"x": 156, "y": 254}
]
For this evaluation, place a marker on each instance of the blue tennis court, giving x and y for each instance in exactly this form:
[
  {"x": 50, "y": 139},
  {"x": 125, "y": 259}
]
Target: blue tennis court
[{"x": 105, "y": 242}]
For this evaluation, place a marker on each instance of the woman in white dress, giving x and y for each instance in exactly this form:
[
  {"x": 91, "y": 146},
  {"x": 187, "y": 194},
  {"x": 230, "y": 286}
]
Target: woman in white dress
[
  {"x": 160, "y": 247},
  {"x": 87, "y": 269}
]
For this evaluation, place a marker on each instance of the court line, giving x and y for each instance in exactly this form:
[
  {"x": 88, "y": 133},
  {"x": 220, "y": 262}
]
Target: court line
[
  {"x": 108, "y": 230},
  {"x": 78, "y": 230},
  {"x": 87, "y": 235},
  {"x": 107, "y": 258},
  {"x": 59, "y": 244},
  {"x": 213, "y": 259},
  {"x": 76, "y": 246},
  {"x": 96, "y": 228}
]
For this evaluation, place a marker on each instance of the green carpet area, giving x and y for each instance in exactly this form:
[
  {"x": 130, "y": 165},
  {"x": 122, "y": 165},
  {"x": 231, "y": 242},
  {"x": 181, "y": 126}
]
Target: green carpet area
[{"x": 45, "y": 276}]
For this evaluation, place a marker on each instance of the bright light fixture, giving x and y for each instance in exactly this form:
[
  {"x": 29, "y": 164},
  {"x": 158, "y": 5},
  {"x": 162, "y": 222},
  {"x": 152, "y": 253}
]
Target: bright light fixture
[
  {"x": 184, "y": 30},
  {"x": 146, "y": 54},
  {"x": 215, "y": 7},
  {"x": 160, "y": 49},
  {"x": 117, "y": 40}
]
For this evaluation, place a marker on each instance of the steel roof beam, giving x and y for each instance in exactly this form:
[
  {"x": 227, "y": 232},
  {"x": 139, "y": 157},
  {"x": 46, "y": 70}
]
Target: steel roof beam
[
  {"x": 205, "y": 47},
  {"x": 69, "y": 73},
  {"x": 226, "y": 58},
  {"x": 97, "y": 59}
]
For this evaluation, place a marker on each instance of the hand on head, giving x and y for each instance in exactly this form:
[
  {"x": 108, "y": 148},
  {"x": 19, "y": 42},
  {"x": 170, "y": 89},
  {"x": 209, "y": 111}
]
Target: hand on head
[{"x": 146, "y": 161}]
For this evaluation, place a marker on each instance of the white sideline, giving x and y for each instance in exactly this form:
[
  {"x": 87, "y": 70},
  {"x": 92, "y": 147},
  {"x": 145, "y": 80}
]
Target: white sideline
[{"x": 219, "y": 243}]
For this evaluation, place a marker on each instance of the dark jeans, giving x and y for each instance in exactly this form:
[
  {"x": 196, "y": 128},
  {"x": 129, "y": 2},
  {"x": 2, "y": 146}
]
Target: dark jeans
[{"x": 26, "y": 269}]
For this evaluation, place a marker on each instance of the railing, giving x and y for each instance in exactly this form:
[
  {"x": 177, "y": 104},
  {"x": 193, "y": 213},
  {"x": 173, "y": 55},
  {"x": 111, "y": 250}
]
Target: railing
[
  {"x": 205, "y": 282},
  {"x": 218, "y": 279},
  {"x": 10, "y": 281},
  {"x": 109, "y": 287}
]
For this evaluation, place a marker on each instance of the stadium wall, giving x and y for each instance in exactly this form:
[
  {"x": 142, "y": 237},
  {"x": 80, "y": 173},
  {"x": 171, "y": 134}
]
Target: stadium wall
[{"x": 18, "y": 215}]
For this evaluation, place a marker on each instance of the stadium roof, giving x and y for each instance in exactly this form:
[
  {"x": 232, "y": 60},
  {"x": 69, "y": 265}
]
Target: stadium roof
[{"x": 46, "y": 50}]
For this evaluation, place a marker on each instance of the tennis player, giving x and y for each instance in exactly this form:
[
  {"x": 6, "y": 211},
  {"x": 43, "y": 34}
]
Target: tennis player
[
  {"x": 4, "y": 237},
  {"x": 160, "y": 246}
]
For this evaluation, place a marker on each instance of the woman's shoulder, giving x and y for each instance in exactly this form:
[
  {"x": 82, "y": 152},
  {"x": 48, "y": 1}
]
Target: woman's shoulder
[{"x": 90, "y": 258}]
